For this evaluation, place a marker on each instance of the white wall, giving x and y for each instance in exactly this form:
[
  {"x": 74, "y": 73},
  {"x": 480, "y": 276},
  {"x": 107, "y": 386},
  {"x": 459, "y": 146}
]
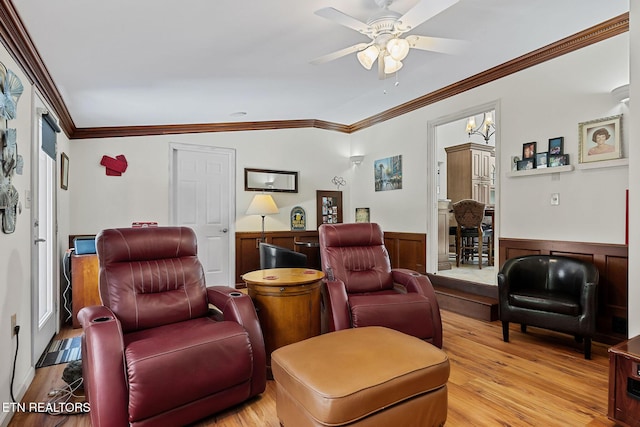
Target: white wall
[
  {"x": 15, "y": 265},
  {"x": 539, "y": 103},
  {"x": 15, "y": 252},
  {"x": 142, "y": 192}
]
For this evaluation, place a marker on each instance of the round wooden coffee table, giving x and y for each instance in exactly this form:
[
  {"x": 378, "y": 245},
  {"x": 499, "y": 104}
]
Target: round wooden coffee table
[{"x": 287, "y": 301}]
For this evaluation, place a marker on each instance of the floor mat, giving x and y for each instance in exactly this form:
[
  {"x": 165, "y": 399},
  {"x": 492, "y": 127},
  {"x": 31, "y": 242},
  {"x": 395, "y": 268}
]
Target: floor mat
[{"x": 61, "y": 351}]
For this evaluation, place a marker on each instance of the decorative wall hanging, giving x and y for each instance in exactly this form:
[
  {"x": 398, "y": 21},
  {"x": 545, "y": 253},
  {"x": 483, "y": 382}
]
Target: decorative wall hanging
[
  {"x": 298, "y": 219},
  {"x": 600, "y": 139},
  {"x": 388, "y": 173},
  {"x": 338, "y": 181},
  {"x": 10, "y": 161},
  {"x": 114, "y": 167},
  {"x": 11, "y": 90},
  {"x": 329, "y": 207}
]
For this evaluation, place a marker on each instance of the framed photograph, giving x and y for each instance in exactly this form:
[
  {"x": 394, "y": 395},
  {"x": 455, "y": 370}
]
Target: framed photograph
[
  {"x": 558, "y": 160},
  {"x": 526, "y": 164},
  {"x": 529, "y": 150},
  {"x": 541, "y": 160},
  {"x": 555, "y": 145},
  {"x": 600, "y": 139},
  {"x": 387, "y": 173},
  {"x": 362, "y": 215},
  {"x": 64, "y": 171},
  {"x": 329, "y": 207}
]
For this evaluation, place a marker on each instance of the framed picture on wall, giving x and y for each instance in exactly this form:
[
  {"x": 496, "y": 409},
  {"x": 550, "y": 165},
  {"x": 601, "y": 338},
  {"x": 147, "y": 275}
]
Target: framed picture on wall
[
  {"x": 528, "y": 150},
  {"x": 362, "y": 215},
  {"x": 329, "y": 207},
  {"x": 526, "y": 164},
  {"x": 558, "y": 160},
  {"x": 555, "y": 145},
  {"x": 541, "y": 160},
  {"x": 600, "y": 139}
]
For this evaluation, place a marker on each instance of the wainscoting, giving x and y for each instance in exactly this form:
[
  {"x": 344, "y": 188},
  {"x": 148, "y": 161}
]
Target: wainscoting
[
  {"x": 406, "y": 250},
  {"x": 612, "y": 262}
]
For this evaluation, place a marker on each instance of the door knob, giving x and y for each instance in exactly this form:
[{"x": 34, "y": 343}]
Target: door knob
[
  {"x": 40, "y": 240},
  {"x": 224, "y": 230}
]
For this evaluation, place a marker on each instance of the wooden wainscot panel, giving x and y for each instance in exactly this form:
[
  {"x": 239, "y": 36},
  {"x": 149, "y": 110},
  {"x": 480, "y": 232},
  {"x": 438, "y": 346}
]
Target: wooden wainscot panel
[
  {"x": 407, "y": 250},
  {"x": 248, "y": 254},
  {"x": 613, "y": 265}
]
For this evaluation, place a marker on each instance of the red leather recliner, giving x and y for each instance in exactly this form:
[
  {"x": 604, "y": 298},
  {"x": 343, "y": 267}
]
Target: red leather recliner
[
  {"x": 154, "y": 354},
  {"x": 363, "y": 290}
]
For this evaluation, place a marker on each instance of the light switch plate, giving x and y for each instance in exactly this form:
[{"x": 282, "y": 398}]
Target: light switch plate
[{"x": 555, "y": 199}]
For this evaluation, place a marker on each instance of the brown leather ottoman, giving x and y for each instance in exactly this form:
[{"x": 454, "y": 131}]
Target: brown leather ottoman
[{"x": 371, "y": 376}]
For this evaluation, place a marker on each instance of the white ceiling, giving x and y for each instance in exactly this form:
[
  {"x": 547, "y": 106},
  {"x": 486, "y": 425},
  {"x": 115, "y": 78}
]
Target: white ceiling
[{"x": 155, "y": 62}]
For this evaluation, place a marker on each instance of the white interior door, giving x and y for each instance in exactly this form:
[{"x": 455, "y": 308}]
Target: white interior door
[
  {"x": 202, "y": 197},
  {"x": 44, "y": 267}
]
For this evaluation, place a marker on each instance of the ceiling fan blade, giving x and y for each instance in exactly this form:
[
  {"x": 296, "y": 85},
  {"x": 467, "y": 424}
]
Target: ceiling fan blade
[
  {"x": 424, "y": 10},
  {"x": 436, "y": 44},
  {"x": 343, "y": 19},
  {"x": 340, "y": 53}
]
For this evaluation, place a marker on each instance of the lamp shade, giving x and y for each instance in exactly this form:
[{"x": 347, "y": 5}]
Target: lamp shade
[
  {"x": 262, "y": 204},
  {"x": 368, "y": 56},
  {"x": 391, "y": 65},
  {"x": 398, "y": 48}
]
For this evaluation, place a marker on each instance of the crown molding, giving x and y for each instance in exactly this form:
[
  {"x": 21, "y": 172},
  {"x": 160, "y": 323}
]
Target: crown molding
[
  {"x": 19, "y": 44},
  {"x": 122, "y": 131},
  {"x": 17, "y": 41}
]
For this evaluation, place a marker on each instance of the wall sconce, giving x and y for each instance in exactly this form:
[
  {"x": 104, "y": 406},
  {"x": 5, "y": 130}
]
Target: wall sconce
[
  {"x": 356, "y": 160},
  {"x": 621, "y": 94}
]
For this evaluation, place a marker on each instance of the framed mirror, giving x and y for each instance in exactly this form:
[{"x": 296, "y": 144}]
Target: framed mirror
[{"x": 270, "y": 180}]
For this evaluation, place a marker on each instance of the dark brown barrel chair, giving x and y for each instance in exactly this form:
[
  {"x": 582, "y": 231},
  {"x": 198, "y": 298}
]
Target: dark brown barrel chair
[{"x": 551, "y": 292}]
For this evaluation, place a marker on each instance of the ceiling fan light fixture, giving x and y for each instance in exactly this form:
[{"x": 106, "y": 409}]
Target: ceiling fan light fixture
[
  {"x": 368, "y": 56},
  {"x": 391, "y": 65},
  {"x": 398, "y": 48}
]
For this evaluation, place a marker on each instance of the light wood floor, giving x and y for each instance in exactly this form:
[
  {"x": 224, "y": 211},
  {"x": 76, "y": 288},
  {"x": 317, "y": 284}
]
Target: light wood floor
[{"x": 538, "y": 379}]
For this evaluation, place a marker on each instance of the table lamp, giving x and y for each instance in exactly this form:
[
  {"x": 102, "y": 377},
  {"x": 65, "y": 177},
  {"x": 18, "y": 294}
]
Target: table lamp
[{"x": 262, "y": 204}]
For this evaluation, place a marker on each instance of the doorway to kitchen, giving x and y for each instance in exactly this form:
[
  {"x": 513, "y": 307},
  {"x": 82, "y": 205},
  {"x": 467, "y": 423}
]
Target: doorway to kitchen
[{"x": 478, "y": 181}]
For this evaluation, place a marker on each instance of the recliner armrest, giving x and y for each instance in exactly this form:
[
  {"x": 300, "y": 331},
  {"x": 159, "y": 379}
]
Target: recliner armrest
[
  {"x": 238, "y": 307},
  {"x": 103, "y": 366},
  {"x": 415, "y": 282},
  {"x": 338, "y": 305}
]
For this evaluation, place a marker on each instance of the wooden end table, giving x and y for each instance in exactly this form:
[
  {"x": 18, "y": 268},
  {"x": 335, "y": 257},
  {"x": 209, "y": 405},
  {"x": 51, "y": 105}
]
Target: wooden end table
[
  {"x": 287, "y": 301},
  {"x": 624, "y": 383}
]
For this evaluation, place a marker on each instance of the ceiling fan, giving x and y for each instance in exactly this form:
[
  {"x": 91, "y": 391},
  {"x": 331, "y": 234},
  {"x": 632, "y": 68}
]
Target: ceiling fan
[{"x": 384, "y": 29}]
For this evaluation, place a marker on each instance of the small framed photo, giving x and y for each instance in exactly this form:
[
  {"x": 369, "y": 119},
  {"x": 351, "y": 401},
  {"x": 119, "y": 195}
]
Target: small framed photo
[
  {"x": 600, "y": 139},
  {"x": 558, "y": 160},
  {"x": 541, "y": 160},
  {"x": 555, "y": 145},
  {"x": 529, "y": 150},
  {"x": 362, "y": 215},
  {"x": 526, "y": 164}
]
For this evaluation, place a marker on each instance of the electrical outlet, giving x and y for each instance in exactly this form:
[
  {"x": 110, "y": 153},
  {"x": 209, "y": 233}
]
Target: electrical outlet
[{"x": 14, "y": 322}]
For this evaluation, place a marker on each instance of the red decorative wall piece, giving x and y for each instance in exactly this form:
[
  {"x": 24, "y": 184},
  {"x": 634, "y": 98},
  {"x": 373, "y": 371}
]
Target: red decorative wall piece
[{"x": 114, "y": 167}]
